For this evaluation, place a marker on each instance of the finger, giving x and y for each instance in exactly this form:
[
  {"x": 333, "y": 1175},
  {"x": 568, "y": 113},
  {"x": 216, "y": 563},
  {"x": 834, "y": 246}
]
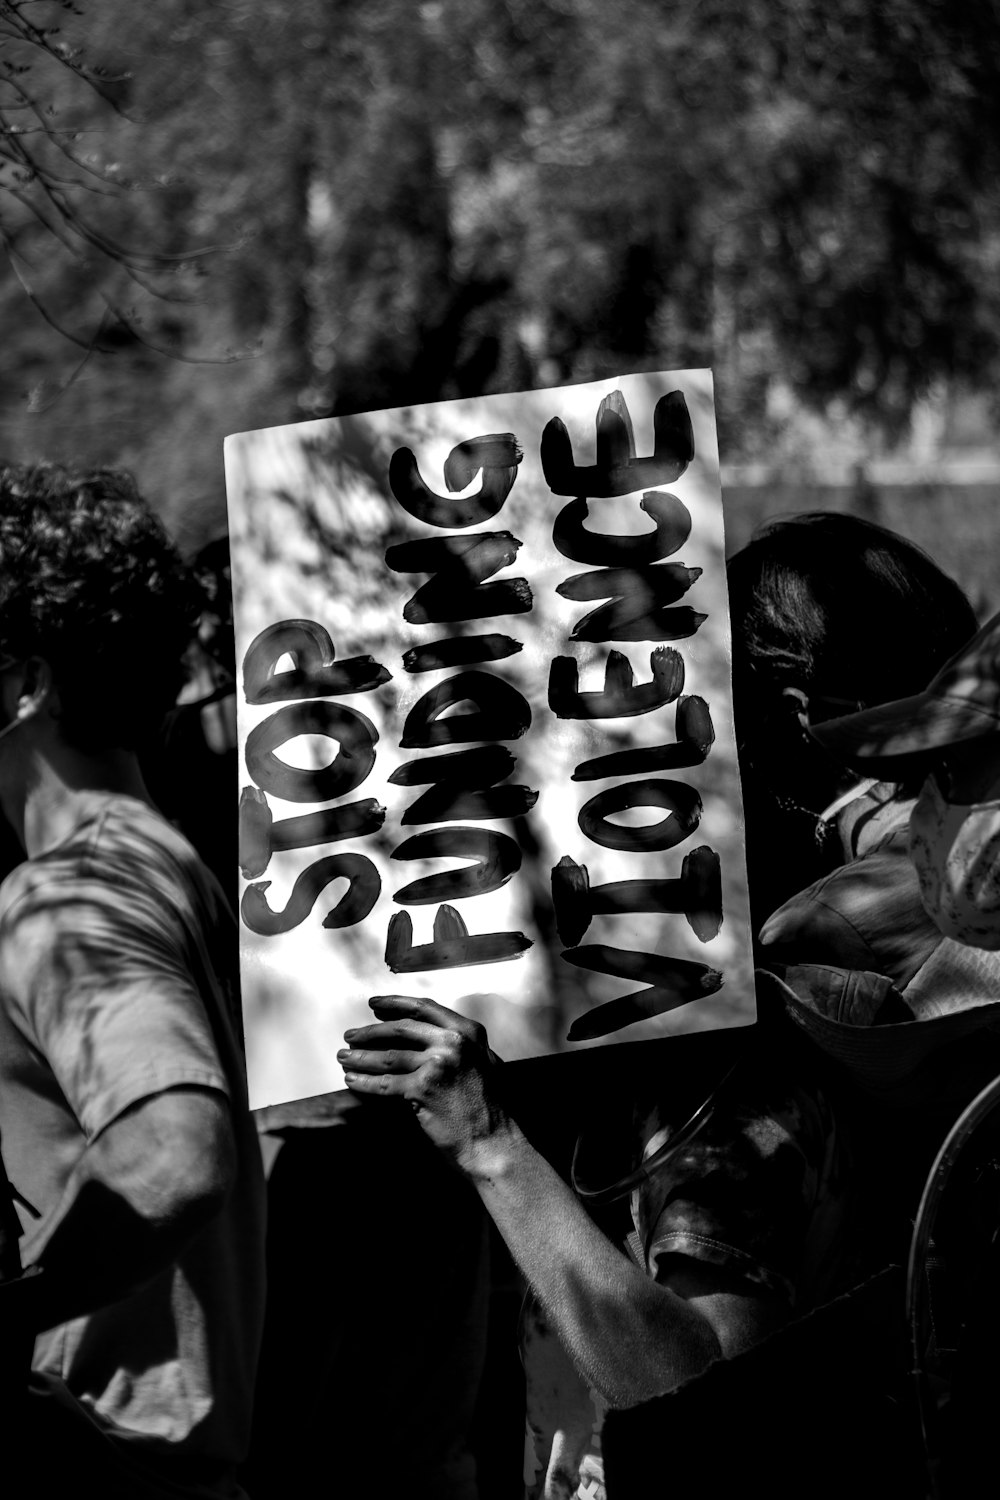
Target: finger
[
  {"x": 421, "y": 1008},
  {"x": 380, "y": 1060},
  {"x": 392, "y": 1033},
  {"x": 375, "y": 1084}
]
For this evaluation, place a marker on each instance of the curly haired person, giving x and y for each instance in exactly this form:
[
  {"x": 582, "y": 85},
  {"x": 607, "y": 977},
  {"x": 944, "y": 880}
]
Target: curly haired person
[{"x": 123, "y": 1112}]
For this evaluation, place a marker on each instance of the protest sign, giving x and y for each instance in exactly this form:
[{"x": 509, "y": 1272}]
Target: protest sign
[{"x": 485, "y": 723}]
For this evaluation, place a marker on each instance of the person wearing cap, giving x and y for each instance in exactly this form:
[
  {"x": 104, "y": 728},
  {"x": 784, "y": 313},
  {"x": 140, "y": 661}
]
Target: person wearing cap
[
  {"x": 830, "y": 614},
  {"x": 848, "y": 953},
  {"x": 951, "y": 732},
  {"x": 739, "y": 1212}
]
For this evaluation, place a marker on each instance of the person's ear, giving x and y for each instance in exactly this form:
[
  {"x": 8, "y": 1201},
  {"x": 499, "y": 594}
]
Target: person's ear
[
  {"x": 798, "y": 703},
  {"x": 37, "y": 689}
]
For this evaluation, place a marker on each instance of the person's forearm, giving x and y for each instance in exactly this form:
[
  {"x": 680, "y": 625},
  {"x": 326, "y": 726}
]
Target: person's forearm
[{"x": 631, "y": 1338}]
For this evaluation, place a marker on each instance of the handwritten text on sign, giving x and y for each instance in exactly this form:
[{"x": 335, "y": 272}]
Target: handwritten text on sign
[{"x": 458, "y": 726}]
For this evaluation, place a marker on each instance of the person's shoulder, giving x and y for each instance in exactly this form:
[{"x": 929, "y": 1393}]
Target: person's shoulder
[
  {"x": 31, "y": 880},
  {"x": 130, "y": 833},
  {"x": 850, "y": 915},
  {"x": 15, "y": 886},
  {"x": 136, "y": 843},
  {"x": 123, "y": 820}
]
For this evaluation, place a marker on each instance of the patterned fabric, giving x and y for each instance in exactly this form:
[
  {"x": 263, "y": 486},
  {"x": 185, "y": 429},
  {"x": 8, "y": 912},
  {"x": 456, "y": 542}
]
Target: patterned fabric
[
  {"x": 956, "y": 852},
  {"x": 873, "y": 981},
  {"x": 866, "y": 914},
  {"x": 117, "y": 982}
]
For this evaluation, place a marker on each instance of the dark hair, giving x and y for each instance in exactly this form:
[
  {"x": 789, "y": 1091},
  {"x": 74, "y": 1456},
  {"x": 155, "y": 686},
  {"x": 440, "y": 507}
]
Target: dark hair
[
  {"x": 90, "y": 582},
  {"x": 835, "y": 605}
]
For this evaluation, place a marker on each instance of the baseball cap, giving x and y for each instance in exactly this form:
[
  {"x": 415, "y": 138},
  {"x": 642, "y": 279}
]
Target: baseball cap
[{"x": 961, "y": 703}]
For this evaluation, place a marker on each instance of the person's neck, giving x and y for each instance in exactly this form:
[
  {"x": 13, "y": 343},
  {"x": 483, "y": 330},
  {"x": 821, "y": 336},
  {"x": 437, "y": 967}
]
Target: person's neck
[{"x": 67, "y": 785}]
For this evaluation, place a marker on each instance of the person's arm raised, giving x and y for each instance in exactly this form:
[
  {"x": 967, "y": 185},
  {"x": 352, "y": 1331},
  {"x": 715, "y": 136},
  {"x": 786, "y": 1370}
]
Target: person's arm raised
[{"x": 632, "y": 1337}]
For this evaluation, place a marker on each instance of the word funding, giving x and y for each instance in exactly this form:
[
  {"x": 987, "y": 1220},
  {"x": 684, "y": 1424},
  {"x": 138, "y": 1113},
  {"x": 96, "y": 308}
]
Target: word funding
[{"x": 464, "y": 786}]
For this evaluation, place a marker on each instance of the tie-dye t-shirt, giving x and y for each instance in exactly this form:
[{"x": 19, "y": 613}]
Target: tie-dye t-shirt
[
  {"x": 117, "y": 982},
  {"x": 754, "y": 1182}
]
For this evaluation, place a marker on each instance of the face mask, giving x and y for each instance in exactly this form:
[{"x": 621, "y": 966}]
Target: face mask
[{"x": 956, "y": 851}]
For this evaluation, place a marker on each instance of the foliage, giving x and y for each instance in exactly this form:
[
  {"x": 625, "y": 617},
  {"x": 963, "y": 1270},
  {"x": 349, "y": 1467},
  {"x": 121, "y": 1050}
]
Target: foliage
[
  {"x": 425, "y": 200},
  {"x": 60, "y": 195}
]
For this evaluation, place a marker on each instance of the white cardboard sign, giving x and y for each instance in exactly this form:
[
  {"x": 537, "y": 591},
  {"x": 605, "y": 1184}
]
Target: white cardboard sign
[{"x": 485, "y": 723}]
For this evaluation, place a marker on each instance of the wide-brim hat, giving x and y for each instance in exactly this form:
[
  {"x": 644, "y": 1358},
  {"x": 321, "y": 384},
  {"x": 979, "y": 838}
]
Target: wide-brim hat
[
  {"x": 961, "y": 703},
  {"x": 900, "y": 1062}
]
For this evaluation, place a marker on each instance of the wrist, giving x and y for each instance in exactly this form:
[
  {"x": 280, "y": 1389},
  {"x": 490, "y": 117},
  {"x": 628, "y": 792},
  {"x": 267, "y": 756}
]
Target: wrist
[{"x": 495, "y": 1156}]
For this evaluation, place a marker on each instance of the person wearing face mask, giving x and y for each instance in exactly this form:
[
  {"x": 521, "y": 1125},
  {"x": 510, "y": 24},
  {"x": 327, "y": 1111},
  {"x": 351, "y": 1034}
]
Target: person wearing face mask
[
  {"x": 845, "y": 948},
  {"x": 905, "y": 1017},
  {"x": 738, "y": 1209},
  {"x": 950, "y": 735}
]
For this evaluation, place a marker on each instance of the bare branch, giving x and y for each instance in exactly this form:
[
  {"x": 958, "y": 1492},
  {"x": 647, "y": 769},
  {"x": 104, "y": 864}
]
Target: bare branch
[
  {"x": 35, "y": 37},
  {"x": 36, "y": 302}
]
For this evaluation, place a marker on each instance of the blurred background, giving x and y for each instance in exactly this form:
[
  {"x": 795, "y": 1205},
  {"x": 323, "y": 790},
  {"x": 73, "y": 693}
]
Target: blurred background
[{"x": 218, "y": 218}]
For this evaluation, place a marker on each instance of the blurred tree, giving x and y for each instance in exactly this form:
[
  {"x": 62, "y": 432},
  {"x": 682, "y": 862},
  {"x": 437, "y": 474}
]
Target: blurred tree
[
  {"x": 60, "y": 199},
  {"x": 425, "y": 200}
]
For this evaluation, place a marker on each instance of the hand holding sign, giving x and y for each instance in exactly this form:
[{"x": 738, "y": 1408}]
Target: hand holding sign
[{"x": 441, "y": 1063}]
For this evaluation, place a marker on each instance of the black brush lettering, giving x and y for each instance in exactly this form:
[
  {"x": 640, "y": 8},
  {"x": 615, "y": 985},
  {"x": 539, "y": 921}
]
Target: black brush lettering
[
  {"x": 497, "y": 454},
  {"x": 464, "y": 769},
  {"x": 442, "y": 805},
  {"x": 618, "y": 471},
  {"x": 315, "y": 675},
  {"x": 459, "y": 651},
  {"x": 673, "y": 527},
  {"x": 500, "y": 712},
  {"x": 356, "y": 737},
  {"x": 260, "y": 836},
  {"x": 355, "y": 904},
  {"x": 676, "y": 982},
  {"x": 637, "y": 600},
  {"x": 697, "y": 894},
  {"x": 454, "y": 947},
  {"x": 620, "y": 697},
  {"x": 460, "y": 783},
  {"x": 695, "y": 737},
  {"x": 461, "y": 564},
  {"x": 679, "y": 801},
  {"x": 497, "y": 858}
]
